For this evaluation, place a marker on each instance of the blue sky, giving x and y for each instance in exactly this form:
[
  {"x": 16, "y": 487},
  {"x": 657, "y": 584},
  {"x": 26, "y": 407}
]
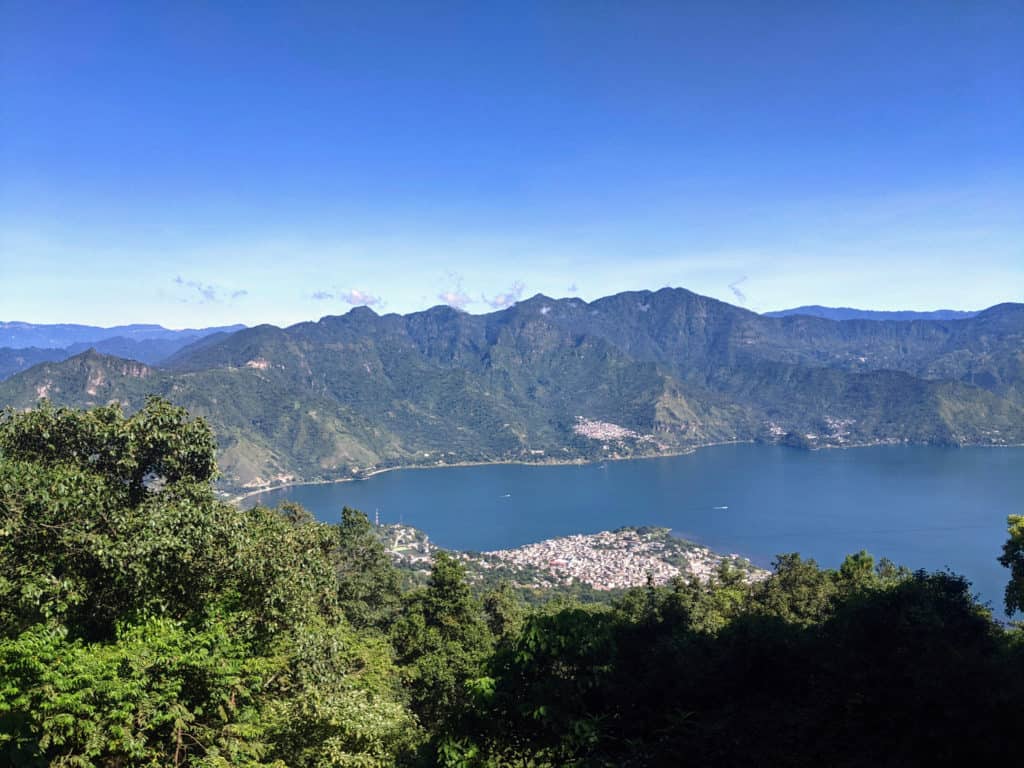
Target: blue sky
[{"x": 206, "y": 163}]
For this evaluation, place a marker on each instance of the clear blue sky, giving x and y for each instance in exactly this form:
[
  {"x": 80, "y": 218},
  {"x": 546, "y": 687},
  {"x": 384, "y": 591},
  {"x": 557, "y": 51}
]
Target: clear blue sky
[{"x": 203, "y": 163}]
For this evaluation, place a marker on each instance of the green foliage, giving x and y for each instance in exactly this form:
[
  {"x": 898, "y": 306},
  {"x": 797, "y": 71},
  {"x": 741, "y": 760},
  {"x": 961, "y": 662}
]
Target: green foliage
[
  {"x": 340, "y": 703},
  {"x": 1013, "y": 558},
  {"x": 798, "y": 593},
  {"x": 105, "y": 516},
  {"x": 853, "y": 667},
  {"x": 145, "y": 623},
  {"x": 443, "y": 637},
  {"x": 504, "y": 611},
  {"x": 151, "y": 697},
  {"x": 368, "y": 584},
  {"x": 554, "y": 675}
]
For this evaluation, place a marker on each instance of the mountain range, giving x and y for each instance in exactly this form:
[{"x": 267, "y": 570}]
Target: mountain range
[
  {"x": 637, "y": 373},
  {"x": 23, "y": 345},
  {"x": 848, "y": 313}
]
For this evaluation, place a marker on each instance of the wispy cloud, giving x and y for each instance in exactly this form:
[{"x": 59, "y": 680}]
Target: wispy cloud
[
  {"x": 734, "y": 286},
  {"x": 455, "y": 296},
  {"x": 352, "y": 296},
  {"x": 197, "y": 292},
  {"x": 508, "y": 298},
  {"x": 356, "y": 298}
]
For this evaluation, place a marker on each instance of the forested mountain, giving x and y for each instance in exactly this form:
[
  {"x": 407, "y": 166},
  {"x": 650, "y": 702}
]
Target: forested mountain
[
  {"x": 848, "y": 313},
  {"x": 546, "y": 379}
]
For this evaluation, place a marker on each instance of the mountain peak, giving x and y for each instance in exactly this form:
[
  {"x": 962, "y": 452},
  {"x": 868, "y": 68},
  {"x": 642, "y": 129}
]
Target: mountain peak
[
  {"x": 92, "y": 356},
  {"x": 1006, "y": 306},
  {"x": 361, "y": 311}
]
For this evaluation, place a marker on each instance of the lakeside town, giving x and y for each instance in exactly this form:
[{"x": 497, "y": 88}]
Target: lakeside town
[{"x": 604, "y": 561}]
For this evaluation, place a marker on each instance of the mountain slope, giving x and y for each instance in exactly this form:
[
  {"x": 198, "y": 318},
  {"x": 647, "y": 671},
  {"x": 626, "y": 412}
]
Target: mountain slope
[{"x": 638, "y": 373}]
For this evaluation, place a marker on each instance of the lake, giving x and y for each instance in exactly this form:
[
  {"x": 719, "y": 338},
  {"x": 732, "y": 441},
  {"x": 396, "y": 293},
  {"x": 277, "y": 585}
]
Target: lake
[{"x": 923, "y": 507}]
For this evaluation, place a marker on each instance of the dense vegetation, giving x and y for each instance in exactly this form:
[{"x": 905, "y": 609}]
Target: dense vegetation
[
  {"x": 144, "y": 622},
  {"x": 671, "y": 368}
]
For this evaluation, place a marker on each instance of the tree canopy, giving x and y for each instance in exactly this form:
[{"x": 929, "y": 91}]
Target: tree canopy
[{"x": 145, "y": 622}]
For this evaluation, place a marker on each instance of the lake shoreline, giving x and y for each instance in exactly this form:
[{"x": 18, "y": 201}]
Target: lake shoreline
[
  {"x": 235, "y": 499},
  {"x": 240, "y": 497}
]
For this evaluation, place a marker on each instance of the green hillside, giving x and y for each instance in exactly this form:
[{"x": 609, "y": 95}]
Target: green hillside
[{"x": 638, "y": 373}]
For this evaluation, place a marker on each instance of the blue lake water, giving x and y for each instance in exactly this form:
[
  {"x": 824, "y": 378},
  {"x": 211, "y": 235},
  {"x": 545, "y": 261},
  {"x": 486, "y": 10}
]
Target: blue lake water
[{"x": 923, "y": 507}]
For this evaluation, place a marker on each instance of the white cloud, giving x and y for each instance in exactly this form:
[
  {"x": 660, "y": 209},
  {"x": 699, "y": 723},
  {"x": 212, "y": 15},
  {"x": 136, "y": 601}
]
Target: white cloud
[
  {"x": 508, "y": 298},
  {"x": 734, "y": 286},
  {"x": 357, "y": 298},
  {"x": 197, "y": 292},
  {"x": 455, "y": 298}
]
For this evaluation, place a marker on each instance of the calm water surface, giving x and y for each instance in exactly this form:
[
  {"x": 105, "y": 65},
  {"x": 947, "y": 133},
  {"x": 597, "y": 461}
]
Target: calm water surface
[{"x": 922, "y": 507}]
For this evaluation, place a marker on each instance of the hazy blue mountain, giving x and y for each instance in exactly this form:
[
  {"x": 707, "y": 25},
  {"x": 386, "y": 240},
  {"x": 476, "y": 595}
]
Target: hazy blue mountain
[
  {"x": 19, "y": 335},
  {"x": 14, "y": 361},
  {"x": 848, "y": 313},
  {"x": 152, "y": 344},
  {"x": 638, "y": 373},
  {"x": 150, "y": 351}
]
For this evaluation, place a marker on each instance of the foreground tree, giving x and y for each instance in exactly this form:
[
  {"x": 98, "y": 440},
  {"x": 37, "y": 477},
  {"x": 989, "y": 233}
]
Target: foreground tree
[
  {"x": 368, "y": 584},
  {"x": 145, "y": 622},
  {"x": 1013, "y": 558},
  {"x": 863, "y": 665},
  {"x": 443, "y": 639}
]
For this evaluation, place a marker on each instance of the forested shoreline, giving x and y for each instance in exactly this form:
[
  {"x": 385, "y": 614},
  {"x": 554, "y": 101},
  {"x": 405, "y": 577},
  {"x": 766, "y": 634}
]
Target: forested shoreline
[{"x": 143, "y": 621}]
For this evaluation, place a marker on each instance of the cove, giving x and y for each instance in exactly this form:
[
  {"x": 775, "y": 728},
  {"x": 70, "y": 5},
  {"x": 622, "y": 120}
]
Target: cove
[{"x": 920, "y": 506}]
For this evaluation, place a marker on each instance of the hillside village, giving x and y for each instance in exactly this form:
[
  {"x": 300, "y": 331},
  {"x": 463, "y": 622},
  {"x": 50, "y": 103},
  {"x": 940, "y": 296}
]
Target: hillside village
[{"x": 604, "y": 561}]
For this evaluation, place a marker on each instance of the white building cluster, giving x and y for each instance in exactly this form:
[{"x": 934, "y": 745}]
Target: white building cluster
[{"x": 615, "y": 560}]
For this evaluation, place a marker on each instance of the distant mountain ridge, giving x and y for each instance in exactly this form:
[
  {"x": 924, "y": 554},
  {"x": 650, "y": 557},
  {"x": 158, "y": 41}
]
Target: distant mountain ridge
[
  {"x": 28, "y": 344},
  {"x": 848, "y": 313},
  {"x": 637, "y": 373},
  {"x": 19, "y": 335}
]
